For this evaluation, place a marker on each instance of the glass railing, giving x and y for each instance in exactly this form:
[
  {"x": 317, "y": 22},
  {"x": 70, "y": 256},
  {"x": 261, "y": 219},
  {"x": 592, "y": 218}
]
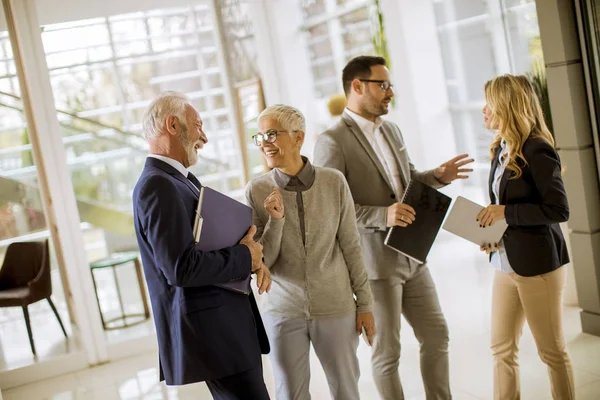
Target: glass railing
[{"x": 105, "y": 163}]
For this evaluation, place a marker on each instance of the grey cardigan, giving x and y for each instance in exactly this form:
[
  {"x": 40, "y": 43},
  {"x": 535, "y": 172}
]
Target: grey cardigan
[{"x": 318, "y": 280}]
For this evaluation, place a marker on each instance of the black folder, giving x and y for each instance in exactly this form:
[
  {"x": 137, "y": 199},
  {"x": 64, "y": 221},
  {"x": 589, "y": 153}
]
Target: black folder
[
  {"x": 431, "y": 207},
  {"x": 224, "y": 222}
]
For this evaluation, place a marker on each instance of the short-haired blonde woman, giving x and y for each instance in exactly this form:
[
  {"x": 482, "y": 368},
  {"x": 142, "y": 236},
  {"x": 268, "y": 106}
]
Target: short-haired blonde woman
[
  {"x": 527, "y": 190},
  {"x": 306, "y": 222}
]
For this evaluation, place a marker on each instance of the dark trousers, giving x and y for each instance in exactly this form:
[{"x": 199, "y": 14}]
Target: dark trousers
[{"x": 248, "y": 385}]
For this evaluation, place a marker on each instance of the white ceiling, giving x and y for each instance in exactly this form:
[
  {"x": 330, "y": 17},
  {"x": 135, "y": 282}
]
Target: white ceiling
[{"x": 55, "y": 11}]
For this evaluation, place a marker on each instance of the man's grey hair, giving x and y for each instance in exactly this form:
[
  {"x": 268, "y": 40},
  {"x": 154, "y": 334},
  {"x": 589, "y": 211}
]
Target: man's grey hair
[
  {"x": 165, "y": 105},
  {"x": 290, "y": 118}
]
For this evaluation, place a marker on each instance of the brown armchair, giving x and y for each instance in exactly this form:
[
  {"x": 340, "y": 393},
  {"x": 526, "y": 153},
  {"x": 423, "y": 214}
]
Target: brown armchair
[{"x": 25, "y": 279}]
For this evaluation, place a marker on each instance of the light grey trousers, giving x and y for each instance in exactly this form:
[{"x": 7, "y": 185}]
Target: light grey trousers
[
  {"x": 410, "y": 292},
  {"x": 335, "y": 341}
]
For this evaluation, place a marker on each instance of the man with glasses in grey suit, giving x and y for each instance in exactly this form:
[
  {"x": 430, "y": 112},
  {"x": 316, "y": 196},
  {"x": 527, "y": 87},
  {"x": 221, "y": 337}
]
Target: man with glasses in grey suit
[{"x": 372, "y": 155}]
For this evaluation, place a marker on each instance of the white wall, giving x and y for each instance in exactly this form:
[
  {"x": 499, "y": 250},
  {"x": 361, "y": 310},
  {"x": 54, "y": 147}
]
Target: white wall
[
  {"x": 417, "y": 72},
  {"x": 284, "y": 61},
  {"x": 418, "y": 76}
]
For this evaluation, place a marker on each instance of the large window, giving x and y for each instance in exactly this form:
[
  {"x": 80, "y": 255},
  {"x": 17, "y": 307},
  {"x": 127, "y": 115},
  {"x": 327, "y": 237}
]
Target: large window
[
  {"x": 104, "y": 73},
  {"x": 22, "y": 219},
  {"x": 109, "y": 69},
  {"x": 337, "y": 30},
  {"x": 481, "y": 39}
]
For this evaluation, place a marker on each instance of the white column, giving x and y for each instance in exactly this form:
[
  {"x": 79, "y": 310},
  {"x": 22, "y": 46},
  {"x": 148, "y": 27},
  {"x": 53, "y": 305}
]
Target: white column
[
  {"x": 56, "y": 188},
  {"x": 270, "y": 62},
  {"x": 237, "y": 131},
  {"x": 337, "y": 43},
  {"x": 418, "y": 75},
  {"x": 498, "y": 28},
  {"x": 570, "y": 297},
  {"x": 284, "y": 61}
]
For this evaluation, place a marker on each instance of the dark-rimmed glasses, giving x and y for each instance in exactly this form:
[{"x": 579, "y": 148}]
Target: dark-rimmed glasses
[
  {"x": 269, "y": 136},
  {"x": 384, "y": 85}
]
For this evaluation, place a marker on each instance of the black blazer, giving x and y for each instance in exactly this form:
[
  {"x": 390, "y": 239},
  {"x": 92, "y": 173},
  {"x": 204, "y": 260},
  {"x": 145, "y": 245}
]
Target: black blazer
[
  {"x": 204, "y": 332},
  {"x": 536, "y": 203}
]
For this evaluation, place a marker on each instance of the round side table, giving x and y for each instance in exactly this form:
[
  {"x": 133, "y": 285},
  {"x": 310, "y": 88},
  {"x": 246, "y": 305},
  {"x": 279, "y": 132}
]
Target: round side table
[{"x": 113, "y": 261}]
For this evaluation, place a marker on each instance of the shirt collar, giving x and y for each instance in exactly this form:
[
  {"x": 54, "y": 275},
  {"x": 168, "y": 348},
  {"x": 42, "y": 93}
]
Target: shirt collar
[
  {"x": 173, "y": 163},
  {"x": 306, "y": 176},
  {"x": 368, "y": 127},
  {"x": 503, "y": 153}
]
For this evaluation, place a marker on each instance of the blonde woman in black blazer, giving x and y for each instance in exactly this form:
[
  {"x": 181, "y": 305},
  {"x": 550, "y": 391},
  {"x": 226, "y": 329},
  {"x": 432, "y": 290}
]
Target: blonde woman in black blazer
[{"x": 526, "y": 189}]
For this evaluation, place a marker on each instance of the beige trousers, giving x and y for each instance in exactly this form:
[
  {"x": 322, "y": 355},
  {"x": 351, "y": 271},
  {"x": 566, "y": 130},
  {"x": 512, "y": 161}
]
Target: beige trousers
[
  {"x": 410, "y": 292},
  {"x": 538, "y": 300}
]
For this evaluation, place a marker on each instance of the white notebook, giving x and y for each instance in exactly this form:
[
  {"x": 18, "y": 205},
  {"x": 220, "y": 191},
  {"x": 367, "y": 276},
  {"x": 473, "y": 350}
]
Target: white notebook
[{"x": 462, "y": 221}]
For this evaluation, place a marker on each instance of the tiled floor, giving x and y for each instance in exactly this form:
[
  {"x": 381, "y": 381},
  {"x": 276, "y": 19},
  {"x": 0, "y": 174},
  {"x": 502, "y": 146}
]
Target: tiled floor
[
  {"x": 463, "y": 279},
  {"x": 50, "y": 343}
]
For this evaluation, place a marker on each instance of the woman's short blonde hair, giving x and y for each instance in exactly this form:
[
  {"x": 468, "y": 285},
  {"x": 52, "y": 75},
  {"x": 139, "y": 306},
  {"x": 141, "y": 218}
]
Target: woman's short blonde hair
[{"x": 290, "y": 118}]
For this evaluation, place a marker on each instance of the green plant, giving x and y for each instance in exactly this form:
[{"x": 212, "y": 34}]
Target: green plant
[
  {"x": 379, "y": 40},
  {"x": 537, "y": 76}
]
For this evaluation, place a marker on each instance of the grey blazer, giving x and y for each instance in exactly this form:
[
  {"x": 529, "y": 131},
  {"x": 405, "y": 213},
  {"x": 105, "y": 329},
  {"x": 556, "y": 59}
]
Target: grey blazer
[{"x": 346, "y": 148}]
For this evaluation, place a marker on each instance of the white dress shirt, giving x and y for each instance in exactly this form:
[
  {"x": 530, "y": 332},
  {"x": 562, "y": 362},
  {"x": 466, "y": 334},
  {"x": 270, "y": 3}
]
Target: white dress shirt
[
  {"x": 173, "y": 163},
  {"x": 500, "y": 258},
  {"x": 372, "y": 130}
]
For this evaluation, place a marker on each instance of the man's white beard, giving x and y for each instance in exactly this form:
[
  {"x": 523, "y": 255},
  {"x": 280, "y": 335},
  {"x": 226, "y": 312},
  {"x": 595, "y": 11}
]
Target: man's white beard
[{"x": 192, "y": 154}]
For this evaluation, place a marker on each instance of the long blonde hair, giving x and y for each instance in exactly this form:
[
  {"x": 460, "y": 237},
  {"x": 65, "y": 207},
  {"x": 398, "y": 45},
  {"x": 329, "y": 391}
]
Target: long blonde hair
[{"x": 516, "y": 116}]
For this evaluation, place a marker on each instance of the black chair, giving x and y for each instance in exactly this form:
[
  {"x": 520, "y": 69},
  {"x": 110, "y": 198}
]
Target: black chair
[{"x": 25, "y": 279}]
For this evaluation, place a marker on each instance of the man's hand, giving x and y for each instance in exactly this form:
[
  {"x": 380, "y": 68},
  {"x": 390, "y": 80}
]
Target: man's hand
[
  {"x": 489, "y": 248},
  {"x": 263, "y": 279},
  {"x": 256, "y": 249},
  {"x": 368, "y": 321},
  {"x": 274, "y": 204},
  {"x": 490, "y": 215},
  {"x": 451, "y": 170},
  {"x": 400, "y": 215}
]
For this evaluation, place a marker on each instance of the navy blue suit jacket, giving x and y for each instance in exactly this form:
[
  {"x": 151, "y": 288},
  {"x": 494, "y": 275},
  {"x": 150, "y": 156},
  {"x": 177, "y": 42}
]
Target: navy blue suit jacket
[{"x": 204, "y": 332}]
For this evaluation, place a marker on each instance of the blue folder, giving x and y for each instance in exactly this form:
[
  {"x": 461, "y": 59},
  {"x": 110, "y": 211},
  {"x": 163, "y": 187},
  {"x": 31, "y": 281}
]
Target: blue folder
[{"x": 222, "y": 222}]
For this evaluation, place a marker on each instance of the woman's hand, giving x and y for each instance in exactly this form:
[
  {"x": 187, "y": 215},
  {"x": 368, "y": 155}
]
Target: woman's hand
[
  {"x": 490, "y": 215},
  {"x": 274, "y": 205},
  {"x": 368, "y": 321},
  {"x": 263, "y": 279},
  {"x": 489, "y": 248}
]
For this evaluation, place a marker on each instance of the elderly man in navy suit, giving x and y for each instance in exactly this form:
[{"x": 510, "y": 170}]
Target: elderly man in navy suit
[{"x": 205, "y": 333}]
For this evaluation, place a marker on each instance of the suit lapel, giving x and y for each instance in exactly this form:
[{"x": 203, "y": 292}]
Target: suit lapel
[
  {"x": 154, "y": 162},
  {"x": 187, "y": 182},
  {"x": 395, "y": 145},
  {"x": 492, "y": 174},
  {"x": 503, "y": 182},
  {"x": 191, "y": 177},
  {"x": 362, "y": 139}
]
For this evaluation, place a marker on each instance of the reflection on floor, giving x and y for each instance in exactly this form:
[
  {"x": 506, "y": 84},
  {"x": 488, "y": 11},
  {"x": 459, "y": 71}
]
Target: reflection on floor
[
  {"x": 48, "y": 337},
  {"x": 49, "y": 340},
  {"x": 463, "y": 279},
  {"x": 15, "y": 351}
]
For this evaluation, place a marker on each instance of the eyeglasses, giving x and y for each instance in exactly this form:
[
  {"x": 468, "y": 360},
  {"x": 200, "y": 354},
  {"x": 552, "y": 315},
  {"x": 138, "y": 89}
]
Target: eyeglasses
[
  {"x": 269, "y": 136},
  {"x": 384, "y": 85}
]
